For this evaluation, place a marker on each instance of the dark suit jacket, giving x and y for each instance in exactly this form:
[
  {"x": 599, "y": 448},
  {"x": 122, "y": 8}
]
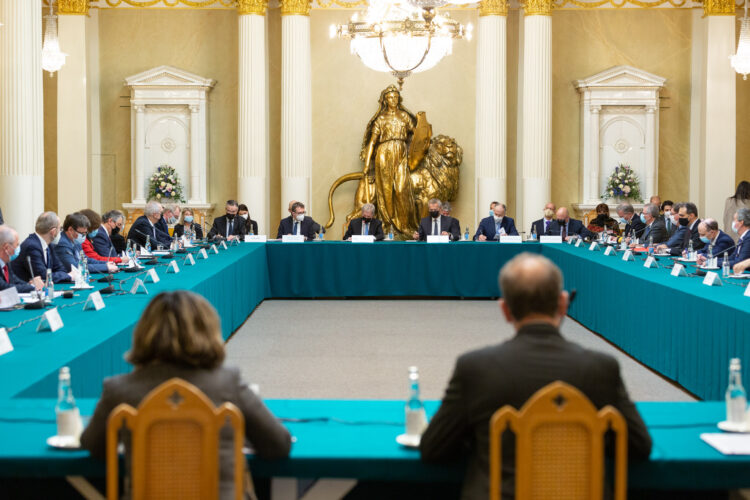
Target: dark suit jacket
[
  {"x": 538, "y": 227},
  {"x": 69, "y": 254},
  {"x": 574, "y": 227},
  {"x": 635, "y": 224},
  {"x": 657, "y": 230},
  {"x": 722, "y": 244},
  {"x": 179, "y": 230},
  {"x": 509, "y": 374},
  {"x": 489, "y": 230},
  {"x": 103, "y": 244},
  {"x": 308, "y": 227},
  {"x": 446, "y": 224},
  {"x": 678, "y": 241},
  {"x": 268, "y": 437},
  {"x": 32, "y": 248},
  {"x": 142, "y": 227},
  {"x": 741, "y": 251},
  {"x": 162, "y": 225},
  {"x": 219, "y": 227},
  {"x": 695, "y": 236},
  {"x": 21, "y": 287},
  {"x": 355, "y": 227}
]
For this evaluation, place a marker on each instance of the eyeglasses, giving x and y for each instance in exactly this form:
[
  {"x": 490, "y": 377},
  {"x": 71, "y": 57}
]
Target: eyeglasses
[{"x": 83, "y": 233}]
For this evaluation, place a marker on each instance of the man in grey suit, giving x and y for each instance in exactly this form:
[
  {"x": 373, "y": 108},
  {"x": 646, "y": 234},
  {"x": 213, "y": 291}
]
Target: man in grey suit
[
  {"x": 509, "y": 373},
  {"x": 656, "y": 231}
]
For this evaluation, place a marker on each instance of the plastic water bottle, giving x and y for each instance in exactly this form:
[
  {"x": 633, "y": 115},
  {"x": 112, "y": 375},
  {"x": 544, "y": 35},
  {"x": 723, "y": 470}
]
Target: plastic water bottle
[
  {"x": 690, "y": 250},
  {"x": 416, "y": 418},
  {"x": 466, "y": 234},
  {"x": 532, "y": 236},
  {"x": 148, "y": 244},
  {"x": 79, "y": 279},
  {"x": 390, "y": 233},
  {"x": 735, "y": 395},
  {"x": 320, "y": 234},
  {"x": 49, "y": 286},
  {"x": 85, "y": 273},
  {"x": 725, "y": 266},
  {"x": 68, "y": 415}
]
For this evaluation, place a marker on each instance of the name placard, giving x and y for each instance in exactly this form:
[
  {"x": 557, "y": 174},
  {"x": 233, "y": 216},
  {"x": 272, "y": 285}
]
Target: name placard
[
  {"x": 173, "y": 267},
  {"x": 594, "y": 247},
  {"x": 256, "y": 238},
  {"x": 363, "y": 238},
  {"x": 94, "y": 301},
  {"x": 5, "y": 344},
  {"x": 550, "y": 239},
  {"x": 189, "y": 260},
  {"x": 712, "y": 279},
  {"x": 9, "y": 298},
  {"x": 678, "y": 270},
  {"x": 151, "y": 276},
  {"x": 223, "y": 245},
  {"x": 293, "y": 238},
  {"x": 747, "y": 290},
  {"x": 609, "y": 251},
  {"x": 138, "y": 287},
  {"x": 202, "y": 253},
  {"x": 437, "y": 238},
  {"x": 51, "y": 321},
  {"x": 510, "y": 239},
  {"x": 216, "y": 250},
  {"x": 628, "y": 255},
  {"x": 650, "y": 262}
]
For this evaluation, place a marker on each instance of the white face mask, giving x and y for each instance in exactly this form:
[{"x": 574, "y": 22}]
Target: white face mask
[
  {"x": 57, "y": 238},
  {"x": 244, "y": 216},
  {"x": 498, "y": 218},
  {"x": 300, "y": 217}
]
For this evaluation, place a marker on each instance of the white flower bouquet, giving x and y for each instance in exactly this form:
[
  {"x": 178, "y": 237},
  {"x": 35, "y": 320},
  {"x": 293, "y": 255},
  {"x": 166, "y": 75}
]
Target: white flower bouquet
[
  {"x": 623, "y": 183},
  {"x": 164, "y": 184}
]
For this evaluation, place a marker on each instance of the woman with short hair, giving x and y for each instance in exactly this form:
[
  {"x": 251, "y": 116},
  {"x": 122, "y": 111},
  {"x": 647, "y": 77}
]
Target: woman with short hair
[{"x": 603, "y": 220}]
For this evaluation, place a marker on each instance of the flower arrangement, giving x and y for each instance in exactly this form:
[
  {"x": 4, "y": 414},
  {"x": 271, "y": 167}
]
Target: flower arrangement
[
  {"x": 165, "y": 184},
  {"x": 623, "y": 183}
]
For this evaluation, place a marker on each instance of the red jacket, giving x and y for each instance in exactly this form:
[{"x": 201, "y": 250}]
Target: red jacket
[{"x": 88, "y": 249}]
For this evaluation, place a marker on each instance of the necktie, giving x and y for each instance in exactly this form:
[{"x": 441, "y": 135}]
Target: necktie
[
  {"x": 367, "y": 228},
  {"x": 564, "y": 231},
  {"x": 49, "y": 258},
  {"x": 294, "y": 231},
  {"x": 546, "y": 225},
  {"x": 6, "y": 274},
  {"x": 434, "y": 227},
  {"x": 498, "y": 227},
  {"x": 230, "y": 226}
]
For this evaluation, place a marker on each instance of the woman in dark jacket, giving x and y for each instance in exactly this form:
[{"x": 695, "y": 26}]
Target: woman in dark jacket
[
  {"x": 187, "y": 221},
  {"x": 603, "y": 220},
  {"x": 251, "y": 227}
]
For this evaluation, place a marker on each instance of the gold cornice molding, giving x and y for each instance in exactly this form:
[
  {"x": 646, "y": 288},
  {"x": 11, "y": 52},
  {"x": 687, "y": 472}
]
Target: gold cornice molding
[
  {"x": 493, "y": 8},
  {"x": 718, "y": 7},
  {"x": 73, "y": 7},
  {"x": 537, "y": 7},
  {"x": 252, "y": 7},
  {"x": 295, "y": 7}
]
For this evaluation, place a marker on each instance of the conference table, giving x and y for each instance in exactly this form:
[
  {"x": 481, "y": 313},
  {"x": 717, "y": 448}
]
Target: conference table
[{"x": 675, "y": 325}]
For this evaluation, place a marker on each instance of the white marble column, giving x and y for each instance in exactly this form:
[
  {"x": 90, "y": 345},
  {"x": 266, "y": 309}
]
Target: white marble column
[
  {"x": 139, "y": 138},
  {"x": 296, "y": 104},
  {"x": 73, "y": 171},
  {"x": 651, "y": 182},
  {"x": 491, "y": 139},
  {"x": 196, "y": 162},
  {"x": 594, "y": 191},
  {"x": 21, "y": 114},
  {"x": 537, "y": 110},
  {"x": 252, "y": 153}
]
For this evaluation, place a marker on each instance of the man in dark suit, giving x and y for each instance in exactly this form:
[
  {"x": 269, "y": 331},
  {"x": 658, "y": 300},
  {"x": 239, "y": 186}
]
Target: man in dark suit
[
  {"x": 147, "y": 225},
  {"x": 566, "y": 227},
  {"x": 667, "y": 211},
  {"x": 713, "y": 239},
  {"x": 655, "y": 230},
  {"x": 69, "y": 248},
  {"x": 298, "y": 223},
  {"x": 510, "y": 373},
  {"x": 691, "y": 211},
  {"x": 740, "y": 225},
  {"x": 490, "y": 228},
  {"x": 539, "y": 227},
  {"x": 103, "y": 240},
  {"x": 366, "y": 225},
  {"x": 437, "y": 224},
  {"x": 9, "y": 251},
  {"x": 634, "y": 227},
  {"x": 228, "y": 226},
  {"x": 38, "y": 247}
]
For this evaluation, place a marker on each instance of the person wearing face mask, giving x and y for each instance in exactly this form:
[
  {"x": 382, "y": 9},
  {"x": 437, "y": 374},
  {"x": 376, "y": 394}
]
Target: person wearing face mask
[
  {"x": 603, "y": 221},
  {"x": 297, "y": 223},
  {"x": 634, "y": 227},
  {"x": 89, "y": 249},
  {"x": 741, "y": 228},
  {"x": 365, "y": 225},
  {"x": 540, "y": 226},
  {"x": 39, "y": 248},
  {"x": 691, "y": 212},
  {"x": 436, "y": 224},
  {"x": 251, "y": 227},
  {"x": 491, "y": 228},
  {"x": 105, "y": 241},
  {"x": 187, "y": 222},
  {"x": 667, "y": 210},
  {"x": 678, "y": 242},
  {"x": 228, "y": 226},
  {"x": 655, "y": 230},
  {"x": 9, "y": 251},
  {"x": 565, "y": 226},
  {"x": 69, "y": 248},
  {"x": 713, "y": 237}
]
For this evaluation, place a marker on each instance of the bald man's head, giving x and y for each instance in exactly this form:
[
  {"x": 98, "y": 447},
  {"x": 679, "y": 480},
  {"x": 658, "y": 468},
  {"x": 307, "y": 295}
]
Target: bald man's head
[
  {"x": 562, "y": 214},
  {"x": 531, "y": 285}
]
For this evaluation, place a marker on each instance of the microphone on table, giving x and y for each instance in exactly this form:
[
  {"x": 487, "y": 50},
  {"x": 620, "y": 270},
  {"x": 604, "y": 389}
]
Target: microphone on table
[{"x": 31, "y": 268}]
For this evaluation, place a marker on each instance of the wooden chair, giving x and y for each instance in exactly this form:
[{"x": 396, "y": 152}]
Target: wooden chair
[
  {"x": 588, "y": 217},
  {"x": 559, "y": 446},
  {"x": 174, "y": 444}
]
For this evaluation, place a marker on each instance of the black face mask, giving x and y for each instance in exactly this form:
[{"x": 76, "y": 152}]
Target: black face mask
[
  {"x": 684, "y": 221},
  {"x": 434, "y": 214},
  {"x": 561, "y": 222},
  {"x": 367, "y": 219},
  {"x": 116, "y": 230},
  {"x": 230, "y": 216}
]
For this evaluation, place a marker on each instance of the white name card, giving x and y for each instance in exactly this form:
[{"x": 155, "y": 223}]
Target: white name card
[
  {"x": 628, "y": 256},
  {"x": 5, "y": 345},
  {"x": 579, "y": 242},
  {"x": 437, "y": 238},
  {"x": 189, "y": 260},
  {"x": 216, "y": 250},
  {"x": 51, "y": 321},
  {"x": 363, "y": 238},
  {"x": 146, "y": 253},
  {"x": 138, "y": 287},
  {"x": 151, "y": 276},
  {"x": 173, "y": 267},
  {"x": 510, "y": 239},
  {"x": 747, "y": 291},
  {"x": 550, "y": 239},
  {"x": 131, "y": 263},
  {"x": 202, "y": 254},
  {"x": 712, "y": 279},
  {"x": 9, "y": 298},
  {"x": 256, "y": 238},
  {"x": 94, "y": 301},
  {"x": 678, "y": 270},
  {"x": 293, "y": 238},
  {"x": 594, "y": 247},
  {"x": 223, "y": 245},
  {"x": 609, "y": 251},
  {"x": 650, "y": 262}
]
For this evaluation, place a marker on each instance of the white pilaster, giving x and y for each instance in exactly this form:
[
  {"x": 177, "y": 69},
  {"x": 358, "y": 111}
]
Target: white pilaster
[
  {"x": 491, "y": 144},
  {"x": 252, "y": 154},
  {"x": 651, "y": 182},
  {"x": 139, "y": 140},
  {"x": 593, "y": 180},
  {"x": 296, "y": 111},
  {"x": 196, "y": 162},
  {"x": 21, "y": 114},
  {"x": 537, "y": 115}
]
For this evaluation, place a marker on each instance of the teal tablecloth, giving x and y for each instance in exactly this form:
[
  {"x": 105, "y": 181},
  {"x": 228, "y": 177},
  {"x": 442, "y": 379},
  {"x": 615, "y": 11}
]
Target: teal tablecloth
[{"x": 361, "y": 444}]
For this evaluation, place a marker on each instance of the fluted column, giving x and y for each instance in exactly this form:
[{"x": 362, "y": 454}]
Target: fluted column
[
  {"x": 73, "y": 172},
  {"x": 252, "y": 153},
  {"x": 21, "y": 114},
  {"x": 491, "y": 144},
  {"x": 537, "y": 108},
  {"x": 296, "y": 103},
  {"x": 139, "y": 138},
  {"x": 196, "y": 162}
]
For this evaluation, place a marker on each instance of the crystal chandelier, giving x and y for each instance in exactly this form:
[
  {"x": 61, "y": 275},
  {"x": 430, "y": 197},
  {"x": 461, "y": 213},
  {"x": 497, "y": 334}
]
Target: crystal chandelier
[
  {"x": 402, "y": 37},
  {"x": 741, "y": 60},
  {"x": 52, "y": 58}
]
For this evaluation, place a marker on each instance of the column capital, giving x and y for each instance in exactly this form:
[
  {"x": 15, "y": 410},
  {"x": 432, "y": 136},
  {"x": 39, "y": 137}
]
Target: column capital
[
  {"x": 252, "y": 7},
  {"x": 595, "y": 108},
  {"x": 73, "y": 7},
  {"x": 538, "y": 7},
  {"x": 718, "y": 7},
  {"x": 493, "y": 8},
  {"x": 295, "y": 7}
]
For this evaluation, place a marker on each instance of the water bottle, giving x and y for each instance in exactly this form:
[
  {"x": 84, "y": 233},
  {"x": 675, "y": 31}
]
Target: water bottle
[
  {"x": 390, "y": 233},
  {"x": 79, "y": 279},
  {"x": 49, "y": 286},
  {"x": 690, "y": 250},
  {"x": 416, "y": 418},
  {"x": 735, "y": 395},
  {"x": 725, "y": 266},
  {"x": 466, "y": 234},
  {"x": 251, "y": 232},
  {"x": 68, "y": 415},
  {"x": 85, "y": 273},
  {"x": 532, "y": 236},
  {"x": 320, "y": 234},
  {"x": 148, "y": 244}
]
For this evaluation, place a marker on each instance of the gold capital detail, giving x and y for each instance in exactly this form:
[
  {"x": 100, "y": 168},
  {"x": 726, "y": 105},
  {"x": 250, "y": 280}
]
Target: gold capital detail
[
  {"x": 718, "y": 7},
  {"x": 73, "y": 7},
  {"x": 537, "y": 7},
  {"x": 295, "y": 7},
  {"x": 493, "y": 8},
  {"x": 256, "y": 7}
]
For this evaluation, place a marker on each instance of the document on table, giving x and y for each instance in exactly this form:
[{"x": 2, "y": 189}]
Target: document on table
[{"x": 728, "y": 443}]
